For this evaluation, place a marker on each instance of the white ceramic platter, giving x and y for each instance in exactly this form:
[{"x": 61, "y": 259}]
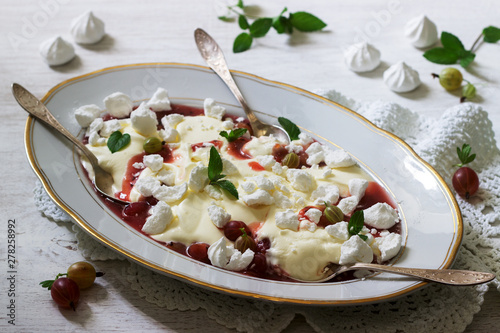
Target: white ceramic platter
[{"x": 431, "y": 220}]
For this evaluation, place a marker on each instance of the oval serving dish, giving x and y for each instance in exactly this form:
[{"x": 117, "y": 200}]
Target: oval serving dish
[{"x": 431, "y": 220}]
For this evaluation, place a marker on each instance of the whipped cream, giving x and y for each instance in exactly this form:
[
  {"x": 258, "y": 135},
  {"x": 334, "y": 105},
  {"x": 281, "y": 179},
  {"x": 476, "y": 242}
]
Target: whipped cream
[
  {"x": 56, "y": 51},
  {"x": 87, "y": 29},
  {"x": 362, "y": 57},
  {"x": 192, "y": 211},
  {"x": 421, "y": 31},
  {"x": 401, "y": 78}
]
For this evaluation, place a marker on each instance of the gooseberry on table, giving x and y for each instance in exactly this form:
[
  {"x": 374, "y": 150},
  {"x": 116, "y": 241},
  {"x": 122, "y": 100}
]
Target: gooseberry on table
[
  {"x": 65, "y": 292},
  {"x": 451, "y": 79},
  {"x": 65, "y": 288}
]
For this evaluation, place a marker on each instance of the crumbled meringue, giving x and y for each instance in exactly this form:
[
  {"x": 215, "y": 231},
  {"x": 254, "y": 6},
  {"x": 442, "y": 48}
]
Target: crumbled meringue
[
  {"x": 87, "y": 29},
  {"x": 362, "y": 57},
  {"x": 226, "y": 256},
  {"x": 118, "y": 104},
  {"x": 56, "y": 51},
  {"x": 401, "y": 78},
  {"x": 421, "y": 31}
]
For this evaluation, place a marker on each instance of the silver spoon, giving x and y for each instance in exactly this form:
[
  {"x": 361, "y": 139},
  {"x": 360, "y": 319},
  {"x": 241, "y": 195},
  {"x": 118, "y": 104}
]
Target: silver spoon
[
  {"x": 103, "y": 180},
  {"x": 212, "y": 53},
  {"x": 445, "y": 276}
]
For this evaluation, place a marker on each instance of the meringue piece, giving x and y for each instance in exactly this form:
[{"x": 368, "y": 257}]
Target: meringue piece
[
  {"x": 161, "y": 102},
  {"x": 118, "y": 104},
  {"x": 362, "y": 57},
  {"x": 87, "y": 29},
  {"x": 143, "y": 120},
  {"x": 401, "y": 78},
  {"x": 421, "y": 31},
  {"x": 56, "y": 51}
]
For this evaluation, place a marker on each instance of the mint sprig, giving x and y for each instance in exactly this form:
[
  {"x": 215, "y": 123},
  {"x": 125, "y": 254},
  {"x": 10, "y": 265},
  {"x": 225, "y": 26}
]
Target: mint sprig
[
  {"x": 233, "y": 135},
  {"x": 292, "y": 129},
  {"x": 258, "y": 27},
  {"x": 356, "y": 223},
  {"x": 464, "y": 155},
  {"x": 118, "y": 141},
  {"x": 453, "y": 50},
  {"x": 215, "y": 175}
]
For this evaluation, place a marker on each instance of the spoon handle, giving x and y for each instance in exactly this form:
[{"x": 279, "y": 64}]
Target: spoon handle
[
  {"x": 211, "y": 52},
  {"x": 445, "y": 276},
  {"x": 38, "y": 110}
]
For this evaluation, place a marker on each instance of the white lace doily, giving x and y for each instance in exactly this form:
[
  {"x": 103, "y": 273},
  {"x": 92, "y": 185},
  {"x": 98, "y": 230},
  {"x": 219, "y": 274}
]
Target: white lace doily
[{"x": 434, "y": 308}]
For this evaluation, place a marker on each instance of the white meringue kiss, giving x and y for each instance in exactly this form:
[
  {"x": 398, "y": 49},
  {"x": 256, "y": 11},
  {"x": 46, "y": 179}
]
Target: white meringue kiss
[
  {"x": 87, "y": 29},
  {"x": 362, "y": 57},
  {"x": 401, "y": 78},
  {"x": 56, "y": 51},
  {"x": 421, "y": 31}
]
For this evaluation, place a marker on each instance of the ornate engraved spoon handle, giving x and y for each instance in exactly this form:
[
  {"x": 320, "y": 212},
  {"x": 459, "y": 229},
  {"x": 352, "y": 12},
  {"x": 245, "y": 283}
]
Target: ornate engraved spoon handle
[
  {"x": 211, "y": 52},
  {"x": 446, "y": 276},
  {"x": 38, "y": 110}
]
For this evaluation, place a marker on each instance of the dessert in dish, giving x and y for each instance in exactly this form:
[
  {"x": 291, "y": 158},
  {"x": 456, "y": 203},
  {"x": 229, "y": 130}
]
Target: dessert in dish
[{"x": 290, "y": 208}]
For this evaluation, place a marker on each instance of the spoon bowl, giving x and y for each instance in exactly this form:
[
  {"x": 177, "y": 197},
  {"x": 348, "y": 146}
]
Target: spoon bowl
[
  {"x": 212, "y": 53},
  {"x": 444, "y": 276},
  {"x": 103, "y": 180}
]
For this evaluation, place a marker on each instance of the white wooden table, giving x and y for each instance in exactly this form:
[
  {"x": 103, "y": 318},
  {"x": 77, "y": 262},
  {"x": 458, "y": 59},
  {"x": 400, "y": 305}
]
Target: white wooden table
[{"x": 162, "y": 31}]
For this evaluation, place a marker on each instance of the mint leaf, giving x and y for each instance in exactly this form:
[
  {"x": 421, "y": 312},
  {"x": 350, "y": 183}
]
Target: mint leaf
[
  {"x": 214, "y": 165},
  {"x": 118, "y": 141},
  {"x": 242, "y": 42},
  {"x": 306, "y": 22},
  {"x": 467, "y": 59},
  {"x": 215, "y": 175},
  {"x": 242, "y": 22},
  {"x": 356, "y": 223},
  {"x": 260, "y": 27},
  {"x": 233, "y": 135},
  {"x": 227, "y": 186},
  {"x": 491, "y": 34},
  {"x": 441, "y": 56},
  {"x": 452, "y": 43},
  {"x": 292, "y": 129}
]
